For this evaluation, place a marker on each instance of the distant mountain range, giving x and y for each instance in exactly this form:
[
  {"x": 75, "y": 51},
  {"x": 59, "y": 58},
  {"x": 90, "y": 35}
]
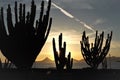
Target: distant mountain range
[
  {"x": 47, "y": 60},
  {"x": 113, "y": 62}
]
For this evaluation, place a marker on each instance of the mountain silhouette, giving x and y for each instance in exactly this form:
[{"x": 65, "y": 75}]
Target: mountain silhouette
[{"x": 46, "y": 60}]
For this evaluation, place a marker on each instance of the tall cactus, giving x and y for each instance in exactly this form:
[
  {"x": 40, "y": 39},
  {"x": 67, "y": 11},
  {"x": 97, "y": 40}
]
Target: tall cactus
[
  {"x": 60, "y": 59},
  {"x": 24, "y": 40},
  {"x": 95, "y": 54}
]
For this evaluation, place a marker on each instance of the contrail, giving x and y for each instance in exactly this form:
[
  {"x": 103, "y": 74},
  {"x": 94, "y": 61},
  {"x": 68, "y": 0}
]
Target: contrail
[
  {"x": 63, "y": 11},
  {"x": 72, "y": 17},
  {"x": 85, "y": 25}
]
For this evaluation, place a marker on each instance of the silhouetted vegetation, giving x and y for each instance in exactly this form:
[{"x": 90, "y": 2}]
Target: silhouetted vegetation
[
  {"x": 60, "y": 59},
  {"x": 104, "y": 63},
  {"x": 5, "y": 65},
  {"x": 24, "y": 41},
  {"x": 95, "y": 54}
]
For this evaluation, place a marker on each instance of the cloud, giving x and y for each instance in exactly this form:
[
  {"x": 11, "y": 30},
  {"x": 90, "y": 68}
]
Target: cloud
[
  {"x": 63, "y": 11},
  {"x": 72, "y": 17},
  {"x": 87, "y": 26},
  {"x": 86, "y": 6},
  {"x": 98, "y": 21}
]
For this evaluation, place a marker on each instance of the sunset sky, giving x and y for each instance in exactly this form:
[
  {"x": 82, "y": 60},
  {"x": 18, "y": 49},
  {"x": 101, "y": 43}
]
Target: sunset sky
[{"x": 72, "y": 17}]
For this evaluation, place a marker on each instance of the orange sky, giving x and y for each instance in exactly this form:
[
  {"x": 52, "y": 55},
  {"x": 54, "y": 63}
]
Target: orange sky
[{"x": 73, "y": 45}]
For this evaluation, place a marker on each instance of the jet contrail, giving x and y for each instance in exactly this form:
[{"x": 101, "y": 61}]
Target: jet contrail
[
  {"x": 72, "y": 17},
  {"x": 63, "y": 11}
]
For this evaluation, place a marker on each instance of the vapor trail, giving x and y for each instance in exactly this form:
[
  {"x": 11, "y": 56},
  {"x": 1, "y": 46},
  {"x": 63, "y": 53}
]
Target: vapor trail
[
  {"x": 72, "y": 17},
  {"x": 63, "y": 11}
]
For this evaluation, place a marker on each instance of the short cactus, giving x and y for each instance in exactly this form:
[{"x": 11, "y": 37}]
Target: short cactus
[
  {"x": 95, "y": 54},
  {"x": 60, "y": 59}
]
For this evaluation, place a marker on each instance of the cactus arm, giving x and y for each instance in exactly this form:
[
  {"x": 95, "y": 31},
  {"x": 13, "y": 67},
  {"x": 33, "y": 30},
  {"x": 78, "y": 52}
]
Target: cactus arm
[
  {"x": 85, "y": 56},
  {"x": 107, "y": 47},
  {"x": 2, "y": 26},
  {"x": 64, "y": 48},
  {"x": 41, "y": 13},
  {"x": 96, "y": 39},
  {"x": 15, "y": 10},
  {"x": 101, "y": 42},
  {"x": 9, "y": 21},
  {"x": 55, "y": 53},
  {"x": 23, "y": 14},
  {"x": 40, "y": 22},
  {"x": 33, "y": 12},
  {"x": 69, "y": 61},
  {"x": 60, "y": 41},
  {"x": 48, "y": 30},
  {"x": 20, "y": 12},
  {"x": 28, "y": 18}
]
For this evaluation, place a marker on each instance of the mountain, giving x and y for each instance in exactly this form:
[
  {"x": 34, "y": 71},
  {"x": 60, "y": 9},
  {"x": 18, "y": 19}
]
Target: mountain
[
  {"x": 76, "y": 61},
  {"x": 113, "y": 62},
  {"x": 46, "y": 60},
  {"x": 114, "y": 59}
]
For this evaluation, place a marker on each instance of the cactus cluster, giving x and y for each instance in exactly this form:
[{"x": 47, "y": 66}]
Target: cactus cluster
[
  {"x": 95, "y": 53},
  {"x": 60, "y": 59},
  {"x": 6, "y": 65},
  {"x": 22, "y": 41}
]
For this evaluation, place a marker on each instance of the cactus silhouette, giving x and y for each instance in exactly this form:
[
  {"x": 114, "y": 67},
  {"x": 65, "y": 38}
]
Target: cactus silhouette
[
  {"x": 104, "y": 63},
  {"x": 24, "y": 39},
  {"x": 6, "y": 65},
  {"x": 95, "y": 54},
  {"x": 60, "y": 59}
]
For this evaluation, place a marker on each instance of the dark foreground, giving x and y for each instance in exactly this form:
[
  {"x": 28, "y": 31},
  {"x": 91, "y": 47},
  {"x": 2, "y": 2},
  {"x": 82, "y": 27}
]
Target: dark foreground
[{"x": 51, "y": 74}]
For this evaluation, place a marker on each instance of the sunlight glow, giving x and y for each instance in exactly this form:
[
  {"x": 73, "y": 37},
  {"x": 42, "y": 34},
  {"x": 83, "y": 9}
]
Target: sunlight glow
[{"x": 72, "y": 45}]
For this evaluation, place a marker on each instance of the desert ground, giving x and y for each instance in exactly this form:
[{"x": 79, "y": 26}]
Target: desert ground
[{"x": 53, "y": 74}]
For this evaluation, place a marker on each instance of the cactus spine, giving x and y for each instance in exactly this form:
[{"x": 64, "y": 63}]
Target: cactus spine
[
  {"x": 60, "y": 59},
  {"x": 95, "y": 54},
  {"x": 24, "y": 41}
]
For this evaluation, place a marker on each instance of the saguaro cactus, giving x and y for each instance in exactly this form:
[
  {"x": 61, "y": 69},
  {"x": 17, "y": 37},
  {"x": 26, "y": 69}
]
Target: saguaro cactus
[
  {"x": 95, "y": 54},
  {"x": 24, "y": 40},
  {"x": 60, "y": 59}
]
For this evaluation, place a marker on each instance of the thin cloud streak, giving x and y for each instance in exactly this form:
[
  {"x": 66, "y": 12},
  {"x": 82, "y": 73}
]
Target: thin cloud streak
[
  {"x": 87, "y": 26},
  {"x": 72, "y": 17},
  {"x": 63, "y": 11}
]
